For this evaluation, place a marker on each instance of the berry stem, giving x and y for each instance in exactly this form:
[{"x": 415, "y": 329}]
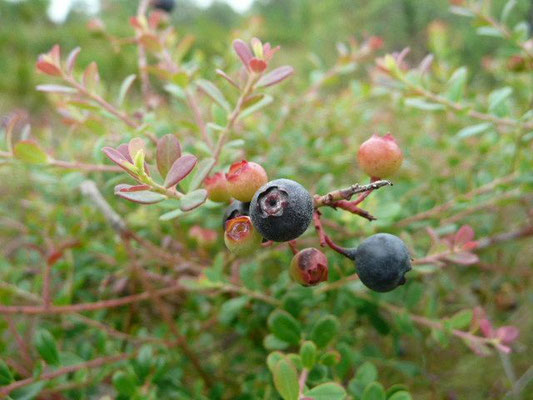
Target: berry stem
[
  {"x": 292, "y": 245},
  {"x": 337, "y": 248}
]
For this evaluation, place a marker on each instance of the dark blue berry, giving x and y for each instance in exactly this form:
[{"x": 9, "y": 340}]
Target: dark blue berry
[
  {"x": 281, "y": 210},
  {"x": 165, "y": 5}
]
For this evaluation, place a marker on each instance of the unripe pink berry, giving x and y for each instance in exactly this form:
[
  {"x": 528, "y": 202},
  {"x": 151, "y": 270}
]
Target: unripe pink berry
[
  {"x": 240, "y": 236},
  {"x": 244, "y": 178},
  {"x": 380, "y": 156},
  {"x": 309, "y": 267},
  {"x": 217, "y": 188}
]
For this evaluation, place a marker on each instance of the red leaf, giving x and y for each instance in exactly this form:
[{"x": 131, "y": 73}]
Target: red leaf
[
  {"x": 507, "y": 334},
  {"x": 124, "y": 150},
  {"x": 130, "y": 188},
  {"x": 243, "y": 51},
  {"x": 257, "y": 65},
  {"x": 168, "y": 151},
  {"x": 142, "y": 197},
  {"x": 276, "y": 76},
  {"x": 463, "y": 257},
  {"x": 464, "y": 234},
  {"x": 180, "y": 169}
]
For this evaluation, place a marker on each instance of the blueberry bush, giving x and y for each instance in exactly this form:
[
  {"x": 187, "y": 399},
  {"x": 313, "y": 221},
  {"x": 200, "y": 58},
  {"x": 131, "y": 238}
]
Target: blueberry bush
[{"x": 248, "y": 224}]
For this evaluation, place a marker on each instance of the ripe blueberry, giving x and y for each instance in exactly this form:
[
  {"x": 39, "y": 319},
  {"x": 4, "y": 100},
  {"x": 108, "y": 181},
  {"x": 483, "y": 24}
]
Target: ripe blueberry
[
  {"x": 281, "y": 210},
  {"x": 240, "y": 236},
  {"x": 381, "y": 261},
  {"x": 380, "y": 156},
  {"x": 309, "y": 267},
  {"x": 235, "y": 209},
  {"x": 165, "y": 5}
]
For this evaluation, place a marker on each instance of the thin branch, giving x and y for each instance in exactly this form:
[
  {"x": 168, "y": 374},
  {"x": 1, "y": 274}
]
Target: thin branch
[
  {"x": 199, "y": 119},
  {"x": 302, "y": 380},
  {"x": 330, "y": 198}
]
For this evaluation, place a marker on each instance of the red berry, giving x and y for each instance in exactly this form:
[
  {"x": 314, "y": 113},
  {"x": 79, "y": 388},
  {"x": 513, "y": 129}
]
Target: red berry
[
  {"x": 309, "y": 267},
  {"x": 244, "y": 178},
  {"x": 380, "y": 156},
  {"x": 217, "y": 188},
  {"x": 240, "y": 236}
]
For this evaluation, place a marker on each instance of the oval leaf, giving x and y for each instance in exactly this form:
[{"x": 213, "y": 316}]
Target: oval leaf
[
  {"x": 286, "y": 380},
  {"x": 327, "y": 391},
  {"x": 180, "y": 169},
  {"x": 46, "y": 346},
  {"x": 374, "y": 391},
  {"x": 55, "y": 89},
  {"x": 243, "y": 51},
  {"x": 201, "y": 172},
  {"x": 324, "y": 330},
  {"x": 212, "y": 91},
  {"x": 193, "y": 200},
  {"x": 142, "y": 197},
  {"x": 30, "y": 152},
  {"x": 168, "y": 151},
  {"x": 275, "y": 76},
  {"x": 124, "y": 87},
  {"x": 284, "y": 326}
]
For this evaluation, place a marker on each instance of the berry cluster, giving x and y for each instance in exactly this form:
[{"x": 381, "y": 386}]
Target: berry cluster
[{"x": 281, "y": 210}]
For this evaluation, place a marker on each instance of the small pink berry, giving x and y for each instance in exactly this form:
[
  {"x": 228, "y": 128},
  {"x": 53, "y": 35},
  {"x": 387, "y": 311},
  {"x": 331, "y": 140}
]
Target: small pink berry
[
  {"x": 244, "y": 178},
  {"x": 309, "y": 267},
  {"x": 217, "y": 188},
  {"x": 380, "y": 156}
]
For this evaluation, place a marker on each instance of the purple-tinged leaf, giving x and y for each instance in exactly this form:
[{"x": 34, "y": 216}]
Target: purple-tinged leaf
[
  {"x": 275, "y": 76},
  {"x": 486, "y": 327},
  {"x": 55, "y": 89},
  {"x": 125, "y": 151},
  {"x": 125, "y": 188},
  {"x": 91, "y": 77},
  {"x": 142, "y": 197},
  {"x": 227, "y": 77},
  {"x": 463, "y": 258},
  {"x": 193, "y": 200},
  {"x": 71, "y": 59},
  {"x": 507, "y": 334},
  {"x": 135, "y": 145},
  {"x": 464, "y": 235},
  {"x": 30, "y": 152},
  {"x": 180, "y": 169},
  {"x": 212, "y": 91},
  {"x": 168, "y": 151},
  {"x": 120, "y": 160},
  {"x": 243, "y": 51}
]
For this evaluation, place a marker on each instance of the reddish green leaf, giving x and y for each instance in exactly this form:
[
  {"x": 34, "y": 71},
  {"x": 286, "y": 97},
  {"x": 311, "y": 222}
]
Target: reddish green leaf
[
  {"x": 55, "y": 89},
  {"x": 168, "y": 151},
  {"x": 142, "y": 196},
  {"x": 180, "y": 169},
  {"x": 275, "y": 76},
  {"x": 212, "y": 91}
]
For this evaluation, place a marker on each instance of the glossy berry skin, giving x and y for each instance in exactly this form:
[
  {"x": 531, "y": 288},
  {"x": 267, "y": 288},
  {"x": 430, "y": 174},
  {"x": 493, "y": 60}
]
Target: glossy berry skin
[
  {"x": 240, "y": 236},
  {"x": 380, "y": 156},
  {"x": 381, "y": 262},
  {"x": 244, "y": 178},
  {"x": 281, "y": 210},
  {"x": 165, "y": 5},
  {"x": 235, "y": 209},
  {"x": 217, "y": 188},
  {"x": 309, "y": 267}
]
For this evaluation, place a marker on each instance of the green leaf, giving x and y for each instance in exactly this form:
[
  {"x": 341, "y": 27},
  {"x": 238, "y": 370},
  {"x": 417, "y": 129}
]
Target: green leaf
[
  {"x": 142, "y": 197},
  {"x": 324, "y": 330},
  {"x": 124, "y": 383},
  {"x": 473, "y": 130},
  {"x": 456, "y": 85},
  {"x": 364, "y": 376},
  {"x": 271, "y": 342},
  {"x": 507, "y": 9},
  {"x": 374, "y": 391},
  {"x": 29, "y": 392},
  {"x": 284, "y": 326},
  {"x": 202, "y": 170},
  {"x": 423, "y": 105},
  {"x": 193, "y": 199},
  {"x": 308, "y": 354},
  {"x": 273, "y": 359},
  {"x": 124, "y": 87},
  {"x": 461, "y": 319},
  {"x": 171, "y": 215},
  {"x": 465, "y": 12},
  {"x": 5, "y": 374},
  {"x": 286, "y": 380},
  {"x": 497, "y": 101},
  {"x": 330, "y": 358},
  {"x": 46, "y": 346},
  {"x": 212, "y": 91},
  {"x": 327, "y": 391},
  {"x": 265, "y": 101},
  {"x": 230, "y": 308},
  {"x": 401, "y": 396},
  {"x": 30, "y": 152},
  {"x": 489, "y": 31}
]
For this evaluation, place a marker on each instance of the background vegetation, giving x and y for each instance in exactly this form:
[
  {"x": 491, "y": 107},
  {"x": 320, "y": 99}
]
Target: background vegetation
[{"x": 463, "y": 118}]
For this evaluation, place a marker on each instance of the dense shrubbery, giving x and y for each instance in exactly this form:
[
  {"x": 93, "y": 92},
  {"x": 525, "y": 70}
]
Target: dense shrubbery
[{"x": 116, "y": 280}]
